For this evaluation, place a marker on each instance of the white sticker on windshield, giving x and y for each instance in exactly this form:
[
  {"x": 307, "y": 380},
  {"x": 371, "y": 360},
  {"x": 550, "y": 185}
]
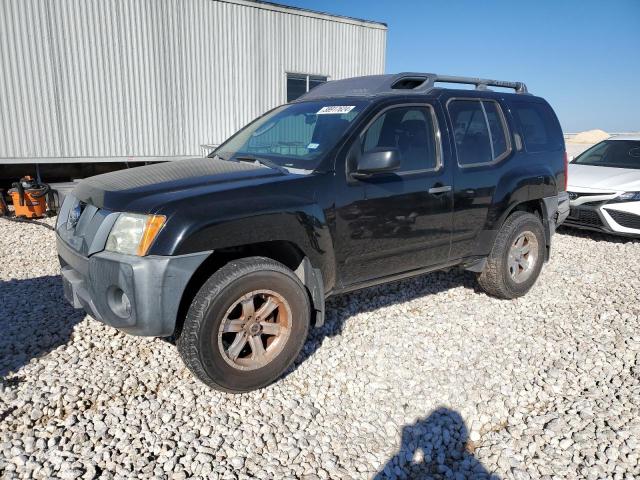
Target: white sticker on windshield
[
  {"x": 336, "y": 109},
  {"x": 313, "y": 146}
]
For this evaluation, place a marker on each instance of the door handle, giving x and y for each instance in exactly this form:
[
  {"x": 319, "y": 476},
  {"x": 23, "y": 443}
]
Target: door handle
[{"x": 444, "y": 189}]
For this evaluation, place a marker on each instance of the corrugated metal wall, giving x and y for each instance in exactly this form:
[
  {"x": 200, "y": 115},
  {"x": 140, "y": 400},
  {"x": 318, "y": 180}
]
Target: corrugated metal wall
[{"x": 98, "y": 79}]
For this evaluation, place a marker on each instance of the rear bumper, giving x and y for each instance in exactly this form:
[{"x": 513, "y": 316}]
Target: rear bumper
[
  {"x": 556, "y": 209},
  {"x": 563, "y": 208},
  {"x": 138, "y": 295}
]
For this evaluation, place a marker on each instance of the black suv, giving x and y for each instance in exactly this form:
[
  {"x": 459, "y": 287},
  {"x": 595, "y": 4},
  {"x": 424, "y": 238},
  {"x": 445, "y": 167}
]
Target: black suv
[{"x": 359, "y": 182}]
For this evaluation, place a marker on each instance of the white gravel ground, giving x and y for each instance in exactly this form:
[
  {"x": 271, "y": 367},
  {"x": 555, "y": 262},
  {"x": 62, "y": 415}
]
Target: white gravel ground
[{"x": 424, "y": 378}]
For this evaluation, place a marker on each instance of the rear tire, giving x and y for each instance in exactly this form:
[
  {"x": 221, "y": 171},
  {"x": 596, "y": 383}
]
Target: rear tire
[
  {"x": 246, "y": 325},
  {"x": 516, "y": 259}
]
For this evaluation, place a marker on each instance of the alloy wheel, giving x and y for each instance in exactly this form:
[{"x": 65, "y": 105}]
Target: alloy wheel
[{"x": 255, "y": 329}]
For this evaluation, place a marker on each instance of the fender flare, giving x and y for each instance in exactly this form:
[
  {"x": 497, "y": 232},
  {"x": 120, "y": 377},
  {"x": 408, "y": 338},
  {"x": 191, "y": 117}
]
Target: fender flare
[
  {"x": 549, "y": 210},
  {"x": 311, "y": 278}
]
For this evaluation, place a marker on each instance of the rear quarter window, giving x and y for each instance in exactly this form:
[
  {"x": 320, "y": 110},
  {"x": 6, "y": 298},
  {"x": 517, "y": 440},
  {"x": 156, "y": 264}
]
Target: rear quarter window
[{"x": 538, "y": 125}]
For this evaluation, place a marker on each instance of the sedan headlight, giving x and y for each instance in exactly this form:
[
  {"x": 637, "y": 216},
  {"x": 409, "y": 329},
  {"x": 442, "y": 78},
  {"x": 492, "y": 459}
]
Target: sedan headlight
[
  {"x": 133, "y": 233},
  {"x": 629, "y": 197}
]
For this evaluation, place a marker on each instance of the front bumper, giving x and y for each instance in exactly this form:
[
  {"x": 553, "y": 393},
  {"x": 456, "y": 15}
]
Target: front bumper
[
  {"x": 138, "y": 295},
  {"x": 618, "y": 219}
]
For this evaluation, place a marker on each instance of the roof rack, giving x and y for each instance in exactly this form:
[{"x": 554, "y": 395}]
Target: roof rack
[
  {"x": 401, "y": 83},
  {"x": 482, "y": 83}
]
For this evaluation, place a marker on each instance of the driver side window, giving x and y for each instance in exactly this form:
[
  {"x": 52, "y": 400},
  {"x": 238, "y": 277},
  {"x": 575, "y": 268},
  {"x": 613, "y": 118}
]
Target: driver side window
[{"x": 411, "y": 131}]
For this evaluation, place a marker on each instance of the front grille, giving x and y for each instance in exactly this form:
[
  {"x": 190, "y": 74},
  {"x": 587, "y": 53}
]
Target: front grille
[
  {"x": 79, "y": 224},
  {"x": 627, "y": 220},
  {"x": 585, "y": 217},
  {"x": 576, "y": 195},
  {"x": 75, "y": 214}
]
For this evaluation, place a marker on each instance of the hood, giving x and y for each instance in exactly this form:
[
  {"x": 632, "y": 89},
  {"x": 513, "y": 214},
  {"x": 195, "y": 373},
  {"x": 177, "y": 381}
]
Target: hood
[
  {"x": 124, "y": 188},
  {"x": 608, "y": 179}
]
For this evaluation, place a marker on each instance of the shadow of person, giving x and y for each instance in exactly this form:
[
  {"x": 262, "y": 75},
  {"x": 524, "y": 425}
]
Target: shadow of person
[
  {"x": 436, "y": 447},
  {"x": 35, "y": 318}
]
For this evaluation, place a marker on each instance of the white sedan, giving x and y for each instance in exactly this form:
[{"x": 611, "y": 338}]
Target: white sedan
[{"x": 604, "y": 187}]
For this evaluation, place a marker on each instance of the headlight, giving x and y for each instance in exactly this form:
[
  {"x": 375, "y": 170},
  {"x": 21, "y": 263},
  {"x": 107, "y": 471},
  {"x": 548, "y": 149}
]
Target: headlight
[
  {"x": 133, "y": 233},
  {"x": 629, "y": 197}
]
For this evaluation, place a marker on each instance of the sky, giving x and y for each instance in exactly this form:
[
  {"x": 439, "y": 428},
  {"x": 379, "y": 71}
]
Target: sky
[{"x": 582, "y": 56}]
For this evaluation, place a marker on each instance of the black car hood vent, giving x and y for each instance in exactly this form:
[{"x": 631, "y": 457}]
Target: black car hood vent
[{"x": 116, "y": 190}]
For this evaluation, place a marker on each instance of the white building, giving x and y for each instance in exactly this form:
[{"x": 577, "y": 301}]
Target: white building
[{"x": 148, "y": 80}]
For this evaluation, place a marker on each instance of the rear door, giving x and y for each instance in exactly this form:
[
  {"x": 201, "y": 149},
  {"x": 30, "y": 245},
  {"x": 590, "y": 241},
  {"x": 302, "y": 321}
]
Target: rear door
[
  {"x": 398, "y": 222},
  {"x": 481, "y": 142}
]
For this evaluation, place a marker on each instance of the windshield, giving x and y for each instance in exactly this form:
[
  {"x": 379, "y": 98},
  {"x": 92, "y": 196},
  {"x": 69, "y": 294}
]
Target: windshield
[
  {"x": 612, "y": 153},
  {"x": 295, "y": 135}
]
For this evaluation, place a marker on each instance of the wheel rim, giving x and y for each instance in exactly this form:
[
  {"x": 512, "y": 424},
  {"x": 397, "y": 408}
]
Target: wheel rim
[
  {"x": 255, "y": 329},
  {"x": 523, "y": 257}
]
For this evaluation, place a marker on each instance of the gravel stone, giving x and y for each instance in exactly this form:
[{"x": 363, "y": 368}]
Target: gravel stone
[{"x": 423, "y": 378}]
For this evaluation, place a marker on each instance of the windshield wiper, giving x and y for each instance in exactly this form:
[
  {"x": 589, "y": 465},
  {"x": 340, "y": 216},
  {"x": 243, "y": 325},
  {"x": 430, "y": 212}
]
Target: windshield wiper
[
  {"x": 217, "y": 156},
  {"x": 261, "y": 161}
]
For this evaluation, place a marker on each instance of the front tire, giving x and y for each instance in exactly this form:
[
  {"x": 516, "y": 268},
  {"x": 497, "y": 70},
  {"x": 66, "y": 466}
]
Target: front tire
[
  {"x": 516, "y": 259},
  {"x": 246, "y": 325}
]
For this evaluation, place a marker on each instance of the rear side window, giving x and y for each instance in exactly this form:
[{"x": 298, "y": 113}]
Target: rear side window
[
  {"x": 479, "y": 130},
  {"x": 539, "y": 126}
]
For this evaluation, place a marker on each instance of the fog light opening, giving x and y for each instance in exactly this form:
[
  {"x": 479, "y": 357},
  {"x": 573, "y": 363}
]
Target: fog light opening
[{"x": 119, "y": 303}]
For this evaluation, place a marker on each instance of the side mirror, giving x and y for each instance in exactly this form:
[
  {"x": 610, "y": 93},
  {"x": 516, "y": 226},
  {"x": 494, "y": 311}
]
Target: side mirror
[
  {"x": 571, "y": 158},
  {"x": 377, "y": 161}
]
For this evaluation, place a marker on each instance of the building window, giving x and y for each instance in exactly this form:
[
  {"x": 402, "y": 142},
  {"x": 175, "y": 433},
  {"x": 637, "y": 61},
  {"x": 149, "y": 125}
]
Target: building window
[{"x": 298, "y": 84}]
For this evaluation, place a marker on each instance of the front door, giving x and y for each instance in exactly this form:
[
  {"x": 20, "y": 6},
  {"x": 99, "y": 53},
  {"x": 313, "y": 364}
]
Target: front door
[{"x": 393, "y": 223}]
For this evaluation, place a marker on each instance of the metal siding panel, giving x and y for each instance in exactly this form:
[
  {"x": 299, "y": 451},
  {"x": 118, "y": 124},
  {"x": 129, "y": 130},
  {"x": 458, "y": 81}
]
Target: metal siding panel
[{"x": 157, "y": 78}]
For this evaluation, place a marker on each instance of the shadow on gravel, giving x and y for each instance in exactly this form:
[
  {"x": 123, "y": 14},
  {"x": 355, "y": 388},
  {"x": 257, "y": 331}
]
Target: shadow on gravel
[
  {"x": 597, "y": 236},
  {"x": 341, "y": 308},
  {"x": 34, "y": 319},
  {"x": 435, "y": 447}
]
